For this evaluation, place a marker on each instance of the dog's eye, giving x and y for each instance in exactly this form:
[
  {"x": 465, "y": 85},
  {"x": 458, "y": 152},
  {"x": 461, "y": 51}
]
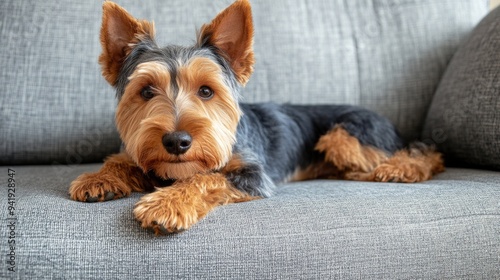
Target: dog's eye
[
  {"x": 147, "y": 93},
  {"x": 205, "y": 93}
]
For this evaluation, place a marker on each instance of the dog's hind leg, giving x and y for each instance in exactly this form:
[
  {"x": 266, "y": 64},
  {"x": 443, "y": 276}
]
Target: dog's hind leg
[
  {"x": 413, "y": 164},
  {"x": 356, "y": 161},
  {"x": 346, "y": 152}
]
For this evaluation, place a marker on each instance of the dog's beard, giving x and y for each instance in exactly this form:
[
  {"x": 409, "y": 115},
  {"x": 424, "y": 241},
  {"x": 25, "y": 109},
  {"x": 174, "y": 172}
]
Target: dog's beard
[
  {"x": 178, "y": 170},
  {"x": 151, "y": 156}
]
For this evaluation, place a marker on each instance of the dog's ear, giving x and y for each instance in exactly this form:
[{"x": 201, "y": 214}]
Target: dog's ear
[
  {"x": 119, "y": 33},
  {"x": 231, "y": 32}
]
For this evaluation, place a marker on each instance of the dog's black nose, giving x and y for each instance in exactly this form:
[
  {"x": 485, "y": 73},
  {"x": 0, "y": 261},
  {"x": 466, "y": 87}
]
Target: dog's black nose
[{"x": 177, "y": 142}]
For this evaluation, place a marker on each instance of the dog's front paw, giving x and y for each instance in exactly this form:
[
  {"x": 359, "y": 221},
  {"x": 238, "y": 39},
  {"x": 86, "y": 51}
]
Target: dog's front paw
[
  {"x": 167, "y": 211},
  {"x": 94, "y": 187},
  {"x": 178, "y": 207}
]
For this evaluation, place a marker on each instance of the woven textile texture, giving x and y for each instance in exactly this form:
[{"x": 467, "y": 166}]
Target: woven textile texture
[
  {"x": 464, "y": 118},
  {"x": 447, "y": 228}
]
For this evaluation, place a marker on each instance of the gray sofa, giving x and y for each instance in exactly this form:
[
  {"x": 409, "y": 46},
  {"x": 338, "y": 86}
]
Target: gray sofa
[{"x": 401, "y": 58}]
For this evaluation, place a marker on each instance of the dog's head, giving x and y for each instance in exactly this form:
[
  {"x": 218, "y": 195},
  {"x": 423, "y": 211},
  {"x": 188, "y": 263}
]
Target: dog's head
[{"x": 178, "y": 106}]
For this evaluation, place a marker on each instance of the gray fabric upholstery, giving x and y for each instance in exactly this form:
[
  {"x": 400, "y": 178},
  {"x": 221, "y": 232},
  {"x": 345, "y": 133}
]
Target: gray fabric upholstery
[
  {"x": 382, "y": 54},
  {"x": 447, "y": 228},
  {"x": 387, "y": 55},
  {"x": 56, "y": 106},
  {"x": 464, "y": 118}
]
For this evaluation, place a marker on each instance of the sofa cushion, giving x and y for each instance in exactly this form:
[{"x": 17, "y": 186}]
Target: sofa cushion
[
  {"x": 464, "y": 118},
  {"x": 446, "y": 228},
  {"x": 384, "y": 55}
]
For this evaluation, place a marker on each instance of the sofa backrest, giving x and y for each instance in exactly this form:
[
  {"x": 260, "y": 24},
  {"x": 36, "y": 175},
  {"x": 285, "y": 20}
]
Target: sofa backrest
[{"x": 386, "y": 55}]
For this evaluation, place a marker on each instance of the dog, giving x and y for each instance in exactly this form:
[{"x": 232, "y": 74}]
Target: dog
[{"x": 190, "y": 141}]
